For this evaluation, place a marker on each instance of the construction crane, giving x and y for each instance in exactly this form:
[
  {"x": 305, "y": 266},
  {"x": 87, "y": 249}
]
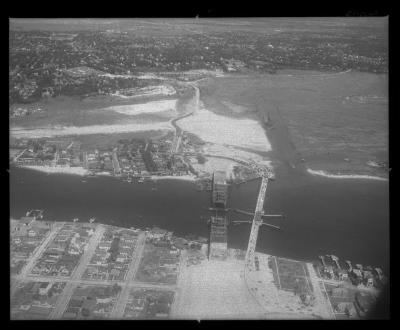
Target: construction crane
[{"x": 262, "y": 215}]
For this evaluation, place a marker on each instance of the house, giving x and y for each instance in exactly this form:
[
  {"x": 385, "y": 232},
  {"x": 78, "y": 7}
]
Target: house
[
  {"x": 104, "y": 300},
  {"x": 342, "y": 275},
  {"x": 357, "y": 272},
  {"x": 370, "y": 282},
  {"x": 368, "y": 278},
  {"x": 65, "y": 272},
  {"x": 44, "y": 288},
  {"x": 32, "y": 233},
  {"x": 104, "y": 246},
  {"x": 158, "y": 233}
]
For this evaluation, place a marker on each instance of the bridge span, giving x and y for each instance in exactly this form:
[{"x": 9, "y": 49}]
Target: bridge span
[{"x": 257, "y": 222}]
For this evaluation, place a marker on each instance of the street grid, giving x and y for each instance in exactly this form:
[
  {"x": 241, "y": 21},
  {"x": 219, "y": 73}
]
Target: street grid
[{"x": 132, "y": 294}]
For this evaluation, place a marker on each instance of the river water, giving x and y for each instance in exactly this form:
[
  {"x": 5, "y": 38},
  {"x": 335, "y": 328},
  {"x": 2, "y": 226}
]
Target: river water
[{"x": 347, "y": 218}]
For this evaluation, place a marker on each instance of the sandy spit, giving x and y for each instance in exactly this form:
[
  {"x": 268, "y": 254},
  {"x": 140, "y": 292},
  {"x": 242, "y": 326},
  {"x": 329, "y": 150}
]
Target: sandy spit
[{"x": 345, "y": 176}]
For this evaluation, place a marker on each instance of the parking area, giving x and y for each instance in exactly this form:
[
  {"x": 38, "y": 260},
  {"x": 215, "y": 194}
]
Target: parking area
[{"x": 291, "y": 275}]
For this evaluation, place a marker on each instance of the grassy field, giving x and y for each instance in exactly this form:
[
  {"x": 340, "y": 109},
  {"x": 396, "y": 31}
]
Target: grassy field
[
  {"x": 158, "y": 265},
  {"x": 72, "y": 111},
  {"x": 321, "y": 118},
  {"x": 291, "y": 275}
]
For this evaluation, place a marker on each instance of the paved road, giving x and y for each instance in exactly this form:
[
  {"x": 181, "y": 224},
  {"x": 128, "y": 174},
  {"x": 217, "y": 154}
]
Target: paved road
[
  {"x": 75, "y": 279},
  {"x": 178, "y": 130},
  {"x": 118, "y": 310},
  {"x": 326, "y": 310},
  {"x": 19, "y": 155},
  {"x": 177, "y": 305},
  {"x": 117, "y": 169}
]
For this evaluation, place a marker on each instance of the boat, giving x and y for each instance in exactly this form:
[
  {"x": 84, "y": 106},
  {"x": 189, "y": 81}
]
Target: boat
[
  {"x": 91, "y": 220},
  {"x": 141, "y": 180},
  {"x": 75, "y": 220}
]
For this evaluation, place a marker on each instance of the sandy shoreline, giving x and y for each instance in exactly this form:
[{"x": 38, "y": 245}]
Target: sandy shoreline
[
  {"x": 144, "y": 108},
  {"x": 344, "y": 176},
  {"x": 60, "y": 170},
  {"x": 19, "y": 132},
  {"x": 172, "y": 177},
  {"x": 80, "y": 171}
]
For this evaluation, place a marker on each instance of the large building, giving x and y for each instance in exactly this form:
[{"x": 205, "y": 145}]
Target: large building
[
  {"x": 218, "y": 238},
  {"x": 220, "y": 189}
]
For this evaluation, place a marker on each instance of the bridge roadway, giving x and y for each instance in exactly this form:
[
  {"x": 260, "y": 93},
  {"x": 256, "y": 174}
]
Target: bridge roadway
[
  {"x": 19, "y": 155},
  {"x": 178, "y": 131},
  {"x": 257, "y": 221}
]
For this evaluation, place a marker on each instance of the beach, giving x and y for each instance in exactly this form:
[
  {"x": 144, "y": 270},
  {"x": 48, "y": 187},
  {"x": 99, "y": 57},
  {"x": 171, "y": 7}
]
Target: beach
[
  {"x": 19, "y": 132},
  {"x": 224, "y": 130},
  {"x": 58, "y": 169},
  {"x": 345, "y": 176},
  {"x": 172, "y": 177},
  {"x": 141, "y": 108}
]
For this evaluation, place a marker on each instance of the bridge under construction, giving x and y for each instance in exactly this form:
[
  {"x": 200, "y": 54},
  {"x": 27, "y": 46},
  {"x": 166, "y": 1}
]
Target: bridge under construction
[{"x": 219, "y": 223}]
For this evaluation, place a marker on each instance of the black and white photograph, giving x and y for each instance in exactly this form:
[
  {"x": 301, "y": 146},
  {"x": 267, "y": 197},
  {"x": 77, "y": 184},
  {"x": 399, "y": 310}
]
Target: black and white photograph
[{"x": 199, "y": 168}]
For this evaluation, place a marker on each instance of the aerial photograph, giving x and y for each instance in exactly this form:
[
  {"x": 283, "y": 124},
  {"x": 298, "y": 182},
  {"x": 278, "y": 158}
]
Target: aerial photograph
[{"x": 199, "y": 168}]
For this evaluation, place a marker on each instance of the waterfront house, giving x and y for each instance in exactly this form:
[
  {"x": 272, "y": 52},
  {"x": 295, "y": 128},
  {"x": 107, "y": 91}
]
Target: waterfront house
[
  {"x": 32, "y": 233},
  {"x": 357, "y": 272}
]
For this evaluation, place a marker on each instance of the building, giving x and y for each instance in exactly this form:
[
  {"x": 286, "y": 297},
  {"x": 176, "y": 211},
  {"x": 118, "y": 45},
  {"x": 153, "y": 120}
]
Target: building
[
  {"x": 44, "y": 288},
  {"x": 220, "y": 189},
  {"x": 218, "y": 238},
  {"x": 342, "y": 275}
]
